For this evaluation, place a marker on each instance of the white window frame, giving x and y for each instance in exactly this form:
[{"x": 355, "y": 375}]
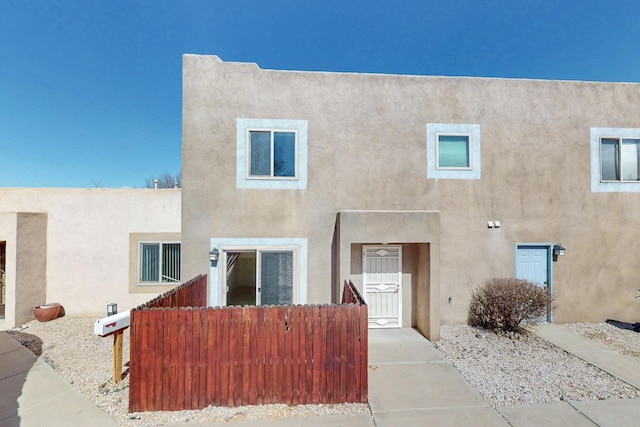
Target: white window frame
[
  {"x": 243, "y": 177},
  {"x": 469, "y": 150},
  {"x": 139, "y": 270},
  {"x": 434, "y": 171},
  {"x": 217, "y": 278},
  {"x": 596, "y": 137},
  {"x": 271, "y": 176}
]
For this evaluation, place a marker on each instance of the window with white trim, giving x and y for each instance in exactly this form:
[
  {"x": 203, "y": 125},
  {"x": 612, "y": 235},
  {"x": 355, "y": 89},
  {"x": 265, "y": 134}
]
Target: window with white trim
[
  {"x": 615, "y": 159},
  {"x": 159, "y": 262},
  {"x": 271, "y": 154},
  {"x": 252, "y": 271},
  {"x": 453, "y": 151}
]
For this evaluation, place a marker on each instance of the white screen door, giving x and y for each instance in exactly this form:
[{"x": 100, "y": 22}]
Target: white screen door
[{"x": 382, "y": 283}]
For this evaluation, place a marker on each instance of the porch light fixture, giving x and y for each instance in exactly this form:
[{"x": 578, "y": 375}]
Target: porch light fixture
[
  {"x": 213, "y": 255},
  {"x": 558, "y": 250},
  {"x": 112, "y": 309}
]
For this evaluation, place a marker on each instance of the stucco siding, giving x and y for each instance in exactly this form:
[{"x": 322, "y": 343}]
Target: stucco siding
[
  {"x": 84, "y": 244},
  {"x": 367, "y": 151}
]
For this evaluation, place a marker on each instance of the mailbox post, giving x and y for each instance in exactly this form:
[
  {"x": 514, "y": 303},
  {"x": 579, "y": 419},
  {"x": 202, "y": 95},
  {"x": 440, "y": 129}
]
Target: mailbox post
[
  {"x": 117, "y": 356},
  {"x": 114, "y": 325}
]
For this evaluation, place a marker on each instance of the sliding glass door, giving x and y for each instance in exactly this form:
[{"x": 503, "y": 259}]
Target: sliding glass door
[{"x": 264, "y": 276}]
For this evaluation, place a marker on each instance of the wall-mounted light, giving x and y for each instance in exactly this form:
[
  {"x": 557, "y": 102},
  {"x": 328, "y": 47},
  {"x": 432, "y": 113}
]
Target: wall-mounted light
[
  {"x": 112, "y": 309},
  {"x": 493, "y": 224},
  {"x": 558, "y": 250},
  {"x": 213, "y": 255}
]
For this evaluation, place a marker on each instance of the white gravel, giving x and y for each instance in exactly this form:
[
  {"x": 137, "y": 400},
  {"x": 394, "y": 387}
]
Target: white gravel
[
  {"x": 506, "y": 370},
  {"x": 523, "y": 369}
]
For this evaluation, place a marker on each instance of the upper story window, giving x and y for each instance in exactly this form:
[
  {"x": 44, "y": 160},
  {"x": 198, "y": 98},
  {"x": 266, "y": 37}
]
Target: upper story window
[
  {"x": 159, "y": 262},
  {"x": 615, "y": 159},
  {"x": 453, "y": 151},
  {"x": 619, "y": 159},
  {"x": 271, "y": 154}
]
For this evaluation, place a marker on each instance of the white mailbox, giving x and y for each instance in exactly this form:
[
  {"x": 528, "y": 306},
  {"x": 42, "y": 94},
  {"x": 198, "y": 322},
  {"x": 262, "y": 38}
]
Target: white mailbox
[{"x": 111, "y": 324}]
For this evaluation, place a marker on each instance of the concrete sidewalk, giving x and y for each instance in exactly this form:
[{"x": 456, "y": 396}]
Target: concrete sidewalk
[
  {"x": 33, "y": 394},
  {"x": 410, "y": 384}
]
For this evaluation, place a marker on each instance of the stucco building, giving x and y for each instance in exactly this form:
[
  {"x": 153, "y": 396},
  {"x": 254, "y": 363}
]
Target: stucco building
[
  {"x": 86, "y": 248},
  {"x": 416, "y": 188}
]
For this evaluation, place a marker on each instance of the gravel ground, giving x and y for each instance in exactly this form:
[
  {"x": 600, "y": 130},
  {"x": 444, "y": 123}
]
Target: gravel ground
[
  {"x": 86, "y": 361},
  {"x": 515, "y": 369},
  {"x": 505, "y": 369}
]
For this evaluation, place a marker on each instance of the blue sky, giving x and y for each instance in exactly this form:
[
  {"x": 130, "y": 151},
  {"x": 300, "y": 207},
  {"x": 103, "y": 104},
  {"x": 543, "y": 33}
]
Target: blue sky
[{"x": 90, "y": 91}]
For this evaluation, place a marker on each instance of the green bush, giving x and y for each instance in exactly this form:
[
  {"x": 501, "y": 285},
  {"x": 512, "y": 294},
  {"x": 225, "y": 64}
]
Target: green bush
[{"x": 503, "y": 303}]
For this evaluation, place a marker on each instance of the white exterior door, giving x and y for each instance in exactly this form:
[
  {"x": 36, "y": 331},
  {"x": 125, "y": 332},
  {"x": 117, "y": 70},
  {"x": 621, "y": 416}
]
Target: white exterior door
[{"x": 382, "y": 285}]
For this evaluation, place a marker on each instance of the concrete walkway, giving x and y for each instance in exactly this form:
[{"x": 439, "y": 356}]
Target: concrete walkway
[
  {"x": 33, "y": 394},
  {"x": 410, "y": 384},
  {"x": 619, "y": 365}
]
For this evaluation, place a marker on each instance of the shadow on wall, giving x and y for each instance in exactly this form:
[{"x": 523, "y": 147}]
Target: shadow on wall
[{"x": 15, "y": 364}]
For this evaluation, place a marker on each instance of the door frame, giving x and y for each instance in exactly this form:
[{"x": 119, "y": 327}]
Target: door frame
[
  {"x": 230, "y": 244},
  {"x": 549, "y": 248},
  {"x": 364, "y": 275}
]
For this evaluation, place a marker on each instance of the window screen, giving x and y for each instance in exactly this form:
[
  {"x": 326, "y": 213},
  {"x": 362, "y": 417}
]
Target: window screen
[{"x": 276, "y": 278}]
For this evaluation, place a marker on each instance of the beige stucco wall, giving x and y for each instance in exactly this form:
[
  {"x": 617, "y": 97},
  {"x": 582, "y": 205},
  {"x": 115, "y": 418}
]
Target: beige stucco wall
[
  {"x": 367, "y": 151},
  {"x": 31, "y": 264},
  {"x": 86, "y": 235},
  {"x": 25, "y": 237}
]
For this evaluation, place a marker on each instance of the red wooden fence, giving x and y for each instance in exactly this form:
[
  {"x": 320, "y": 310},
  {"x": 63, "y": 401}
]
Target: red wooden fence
[
  {"x": 190, "y": 294},
  {"x": 350, "y": 294},
  {"x": 189, "y": 358}
]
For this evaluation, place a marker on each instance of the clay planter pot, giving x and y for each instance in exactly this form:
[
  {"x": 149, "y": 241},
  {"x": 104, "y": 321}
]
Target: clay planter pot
[{"x": 47, "y": 312}]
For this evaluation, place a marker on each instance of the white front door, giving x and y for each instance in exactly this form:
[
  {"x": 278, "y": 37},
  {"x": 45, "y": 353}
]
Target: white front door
[{"x": 382, "y": 285}]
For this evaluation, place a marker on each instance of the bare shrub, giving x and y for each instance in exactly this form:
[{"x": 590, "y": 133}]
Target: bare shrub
[{"x": 503, "y": 303}]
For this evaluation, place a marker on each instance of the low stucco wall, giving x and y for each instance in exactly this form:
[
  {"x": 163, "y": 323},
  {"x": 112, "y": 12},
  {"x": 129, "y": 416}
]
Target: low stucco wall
[
  {"x": 87, "y": 240},
  {"x": 8, "y": 232},
  {"x": 31, "y": 264}
]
